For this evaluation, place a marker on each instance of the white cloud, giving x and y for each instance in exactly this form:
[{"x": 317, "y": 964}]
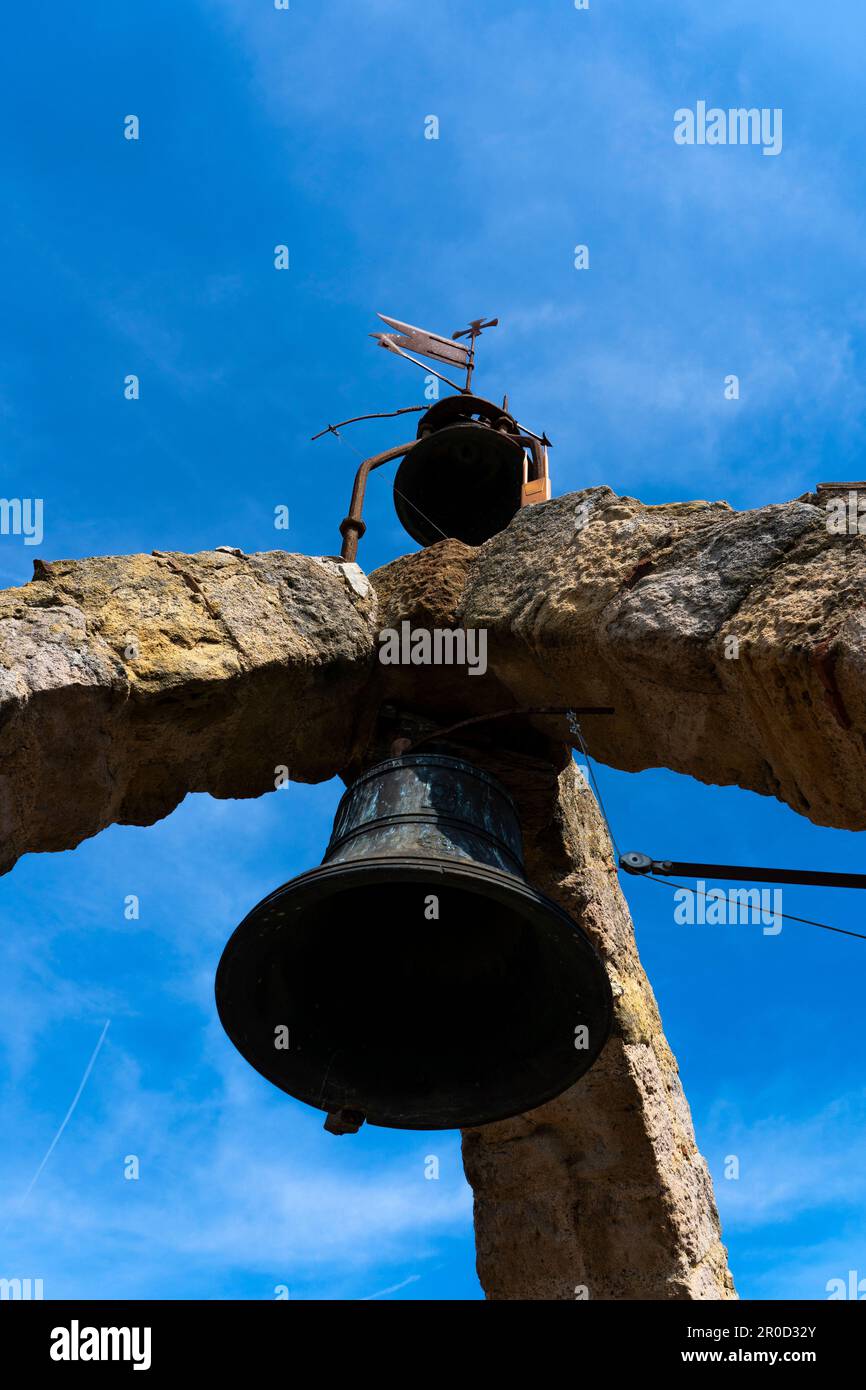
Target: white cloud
[
  {"x": 789, "y": 1166},
  {"x": 237, "y": 1181}
]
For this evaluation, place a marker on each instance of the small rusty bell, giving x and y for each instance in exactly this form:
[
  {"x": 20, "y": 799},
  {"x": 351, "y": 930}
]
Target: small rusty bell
[{"x": 464, "y": 477}]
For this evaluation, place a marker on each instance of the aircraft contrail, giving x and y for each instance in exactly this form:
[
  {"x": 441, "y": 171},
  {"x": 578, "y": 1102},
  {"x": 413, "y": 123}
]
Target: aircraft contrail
[
  {"x": 413, "y": 1279},
  {"x": 68, "y": 1116}
]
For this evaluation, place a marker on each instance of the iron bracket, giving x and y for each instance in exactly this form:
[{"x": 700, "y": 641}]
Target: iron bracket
[{"x": 636, "y": 863}]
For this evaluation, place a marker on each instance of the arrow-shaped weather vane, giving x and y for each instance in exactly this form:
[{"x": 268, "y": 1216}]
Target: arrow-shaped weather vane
[{"x": 428, "y": 344}]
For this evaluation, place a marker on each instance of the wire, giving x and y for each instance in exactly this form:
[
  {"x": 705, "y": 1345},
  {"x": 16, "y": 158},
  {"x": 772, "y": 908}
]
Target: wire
[
  {"x": 574, "y": 726},
  {"x": 417, "y": 509},
  {"x": 335, "y": 431},
  {"x": 669, "y": 883}
]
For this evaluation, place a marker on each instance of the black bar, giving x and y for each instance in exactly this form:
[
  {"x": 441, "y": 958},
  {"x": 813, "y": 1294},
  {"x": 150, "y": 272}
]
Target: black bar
[
  {"x": 809, "y": 877},
  {"x": 248, "y": 1343}
]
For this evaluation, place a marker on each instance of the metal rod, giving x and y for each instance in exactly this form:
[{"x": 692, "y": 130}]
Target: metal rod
[
  {"x": 377, "y": 415},
  {"x": 635, "y": 863},
  {"x": 386, "y": 342},
  {"x": 352, "y": 527},
  {"x": 470, "y": 364},
  {"x": 542, "y": 438},
  {"x": 504, "y": 713}
]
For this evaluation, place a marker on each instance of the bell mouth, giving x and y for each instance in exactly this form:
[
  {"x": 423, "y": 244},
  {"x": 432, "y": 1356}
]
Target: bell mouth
[
  {"x": 463, "y": 481},
  {"x": 418, "y": 1021}
]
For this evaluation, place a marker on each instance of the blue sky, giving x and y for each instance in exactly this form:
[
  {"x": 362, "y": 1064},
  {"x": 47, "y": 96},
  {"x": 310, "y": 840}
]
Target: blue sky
[{"x": 155, "y": 257}]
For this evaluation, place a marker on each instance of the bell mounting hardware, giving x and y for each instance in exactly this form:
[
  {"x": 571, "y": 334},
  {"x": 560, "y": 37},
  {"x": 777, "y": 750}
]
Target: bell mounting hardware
[
  {"x": 668, "y": 870},
  {"x": 471, "y": 467},
  {"x": 635, "y": 863}
]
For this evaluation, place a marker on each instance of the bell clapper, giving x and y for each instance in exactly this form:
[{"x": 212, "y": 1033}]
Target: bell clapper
[{"x": 345, "y": 1121}]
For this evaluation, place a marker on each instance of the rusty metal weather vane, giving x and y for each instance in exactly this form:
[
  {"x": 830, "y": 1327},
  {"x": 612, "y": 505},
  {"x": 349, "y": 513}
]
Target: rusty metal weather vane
[
  {"x": 471, "y": 467},
  {"x": 433, "y": 345}
]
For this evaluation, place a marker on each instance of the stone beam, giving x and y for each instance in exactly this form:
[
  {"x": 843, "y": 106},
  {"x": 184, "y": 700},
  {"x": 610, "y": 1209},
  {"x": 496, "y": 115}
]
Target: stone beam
[
  {"x": 127, "y": 682},
  {"x": 732, "y": 644}
]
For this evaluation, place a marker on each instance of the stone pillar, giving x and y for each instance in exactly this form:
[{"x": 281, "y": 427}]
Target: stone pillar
[{"x": 601, "y": 1193}]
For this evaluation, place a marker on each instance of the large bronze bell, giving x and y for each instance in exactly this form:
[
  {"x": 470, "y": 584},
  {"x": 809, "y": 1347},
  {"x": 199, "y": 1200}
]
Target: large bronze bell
[
  {"x": 464, "y": 476},
  {"x": 415, "y": 979}
]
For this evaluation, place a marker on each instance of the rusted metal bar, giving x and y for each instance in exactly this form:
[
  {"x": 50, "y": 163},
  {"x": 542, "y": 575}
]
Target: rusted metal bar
[
  {"x": 376, "y": 415},
  {"x": 635, "y": 863},
  {"x": 352, "y": 527},
  {"x": 505, "y": 714}
]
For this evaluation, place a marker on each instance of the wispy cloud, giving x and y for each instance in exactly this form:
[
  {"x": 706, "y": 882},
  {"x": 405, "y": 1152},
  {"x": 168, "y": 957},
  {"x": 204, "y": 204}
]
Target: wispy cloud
[
  {"x": 236, "y": 1180},
  {"x": 789, "y": 1164}
]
